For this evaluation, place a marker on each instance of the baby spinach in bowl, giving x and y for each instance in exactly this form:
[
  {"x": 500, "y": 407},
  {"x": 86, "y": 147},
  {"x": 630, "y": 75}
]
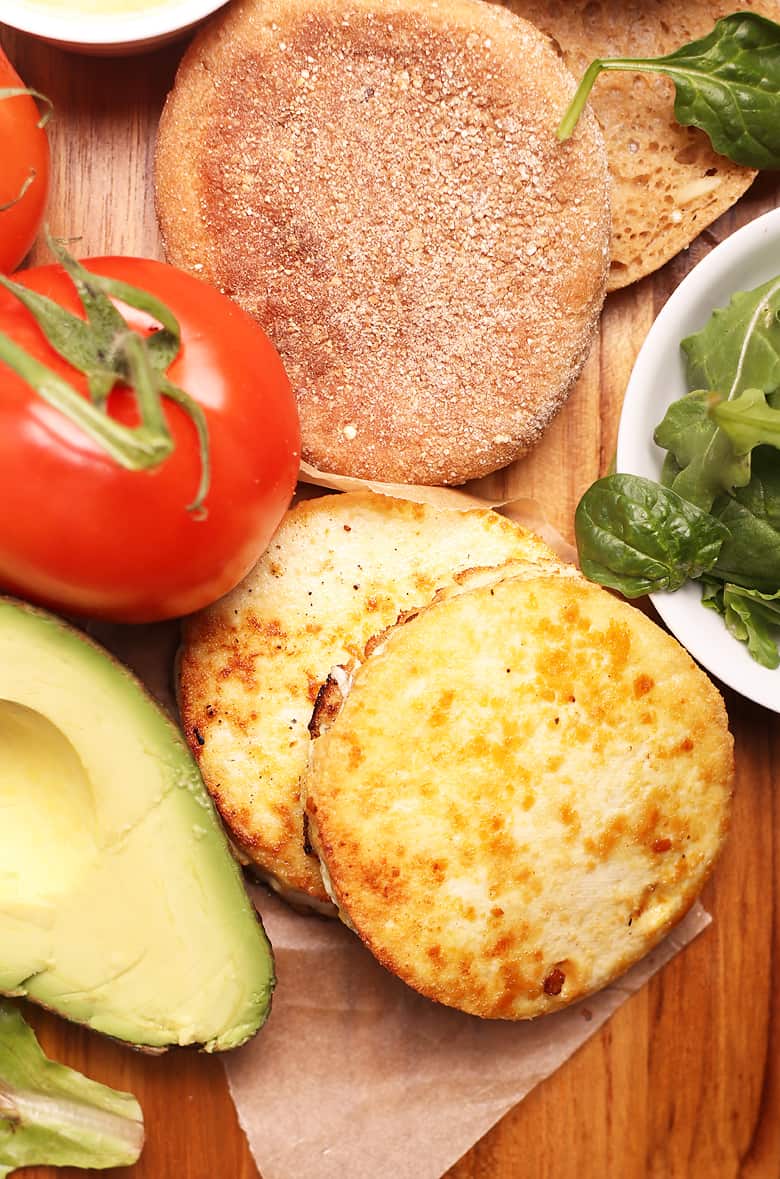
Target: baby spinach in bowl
[{"x": 697, "y": 488}]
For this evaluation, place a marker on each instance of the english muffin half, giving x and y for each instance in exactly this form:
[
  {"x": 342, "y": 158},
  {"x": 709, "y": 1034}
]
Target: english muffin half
[
  {"x": 525, "y": 787},
  {"x": 380, "y": 184},
  {"x": 340, "y": 569},
  {"x": 667, "y": 182}
]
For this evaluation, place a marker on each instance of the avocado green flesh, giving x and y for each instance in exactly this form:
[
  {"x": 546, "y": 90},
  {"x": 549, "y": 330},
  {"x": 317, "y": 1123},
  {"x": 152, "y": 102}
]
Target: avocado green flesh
[{"x": 120, "y": 904}]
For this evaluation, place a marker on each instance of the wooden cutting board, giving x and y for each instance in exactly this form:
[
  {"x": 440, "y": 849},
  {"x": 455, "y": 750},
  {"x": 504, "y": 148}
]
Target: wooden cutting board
[{"x": 685, "y": 1079}]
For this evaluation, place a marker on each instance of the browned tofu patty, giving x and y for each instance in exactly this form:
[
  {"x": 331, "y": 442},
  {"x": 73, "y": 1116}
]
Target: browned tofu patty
[
  {"x": 340, "y": 569},
  {"x": 525, "y": 788}
]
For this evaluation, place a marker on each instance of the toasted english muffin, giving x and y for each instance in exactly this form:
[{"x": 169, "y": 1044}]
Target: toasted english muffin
[
  {"x": 379, "y": 183},
  {"x": 525, "y": 787},
  {"x": 667, "y": 182},
  {"x": 340, "y": 569}
]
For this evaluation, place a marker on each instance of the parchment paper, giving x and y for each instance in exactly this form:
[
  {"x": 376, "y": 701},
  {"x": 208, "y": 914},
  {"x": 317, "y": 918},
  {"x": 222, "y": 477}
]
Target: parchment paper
[
  {"x": 355, "y": 1076},
  {"x": 523, "y": 510}
]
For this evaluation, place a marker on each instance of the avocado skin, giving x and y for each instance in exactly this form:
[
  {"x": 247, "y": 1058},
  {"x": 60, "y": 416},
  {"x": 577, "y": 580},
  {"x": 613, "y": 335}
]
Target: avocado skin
[{"x": 123, "y": 908}]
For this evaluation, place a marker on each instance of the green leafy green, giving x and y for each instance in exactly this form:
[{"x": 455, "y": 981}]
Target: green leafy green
[
  {"x": 715, "y": 515},
  {"x": 739, "y": 346},
  {"x": 748, "y": 421},
  {"x": 762, "y": 495},
  {"x": 727, "y": 84},
  {"x": 737, "y": 352},
  {"x": 705, "y": 460},
  {"x": 50, "y": 1114},
  {"x": 750, "y": 616},
  {"x": 750, "y": 555},
  {"x": 637, "y": 537}
]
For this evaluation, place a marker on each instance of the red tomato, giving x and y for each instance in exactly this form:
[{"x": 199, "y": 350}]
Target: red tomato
[
  {"x": 82, "y": 534},
  {"x": 24, "y": 150}
]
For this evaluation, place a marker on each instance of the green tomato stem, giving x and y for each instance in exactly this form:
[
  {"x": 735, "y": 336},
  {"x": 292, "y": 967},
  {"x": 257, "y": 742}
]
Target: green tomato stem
[
  {"x": 29, "y": 178},
  {"x": 141, "y": 300},
  {"x": 18, "y": 91},
  {"x": 198, "y": 419},
  {"x": 107, "y": 351},
  {"x": 135, "y": 449},
  {"x": 129, "y": 351}
]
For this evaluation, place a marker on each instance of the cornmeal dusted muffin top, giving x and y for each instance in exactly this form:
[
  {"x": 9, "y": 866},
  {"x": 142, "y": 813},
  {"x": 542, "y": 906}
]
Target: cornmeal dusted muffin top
[{"x": 380, "y": 184}]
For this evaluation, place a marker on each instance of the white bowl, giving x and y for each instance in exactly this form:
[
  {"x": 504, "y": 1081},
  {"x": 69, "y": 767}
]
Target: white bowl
[
  {"x": 749, "y": 257},
  {"x": 79, "y": 25}
]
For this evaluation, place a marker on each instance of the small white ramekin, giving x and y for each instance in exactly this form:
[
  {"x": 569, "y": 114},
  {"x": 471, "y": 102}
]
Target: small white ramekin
[{"x": 106, "y": 33}]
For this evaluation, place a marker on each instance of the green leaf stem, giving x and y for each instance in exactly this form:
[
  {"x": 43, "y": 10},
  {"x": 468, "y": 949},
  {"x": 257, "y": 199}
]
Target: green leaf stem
[{"x": 727, "y": 84}]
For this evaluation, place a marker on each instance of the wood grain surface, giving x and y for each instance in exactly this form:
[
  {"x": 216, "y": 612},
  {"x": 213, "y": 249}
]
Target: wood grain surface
[{"x": 685, "y": 1079}]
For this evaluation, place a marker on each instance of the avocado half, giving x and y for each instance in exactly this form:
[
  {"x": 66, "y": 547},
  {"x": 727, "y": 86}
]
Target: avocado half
[{"x": 121, "y": 906}]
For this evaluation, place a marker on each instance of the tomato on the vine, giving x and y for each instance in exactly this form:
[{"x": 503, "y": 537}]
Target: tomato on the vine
[
  {"x": 24, "y": 175},
  {"x": 83, "y": 534}
]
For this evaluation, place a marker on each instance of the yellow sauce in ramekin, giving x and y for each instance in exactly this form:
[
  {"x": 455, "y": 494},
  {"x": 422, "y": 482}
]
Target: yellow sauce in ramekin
[{"x": 98, "y": 7}]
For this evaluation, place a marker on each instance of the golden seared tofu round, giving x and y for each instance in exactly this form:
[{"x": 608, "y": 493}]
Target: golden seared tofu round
[
  {"x": 339, "y": 570},
  {"x": 526, "y": 786},
  {"x": 380, "y": 184}
]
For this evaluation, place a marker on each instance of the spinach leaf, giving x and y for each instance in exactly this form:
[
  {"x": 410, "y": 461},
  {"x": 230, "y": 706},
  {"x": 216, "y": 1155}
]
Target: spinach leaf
[
  {"x": 738, "y": 350},
  {"x": 751, "y": 617},
  {"x": 51, "y": 1114},
  {"x": 750, "y": 555},
  {"x": 727, "y": 84},
  {"x": 739, "y": 347},
  {"x": 748, "y": 421},
  {"x": 704, "y": 461},
  {"x": 670, "y": 469},
  {"x": 636, "y": 536},
  {"x": 762, "y": 494}
]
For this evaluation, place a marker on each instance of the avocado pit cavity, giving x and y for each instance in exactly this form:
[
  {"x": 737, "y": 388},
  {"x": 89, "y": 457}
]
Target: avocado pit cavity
[{"x": 47, "y": 810}]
